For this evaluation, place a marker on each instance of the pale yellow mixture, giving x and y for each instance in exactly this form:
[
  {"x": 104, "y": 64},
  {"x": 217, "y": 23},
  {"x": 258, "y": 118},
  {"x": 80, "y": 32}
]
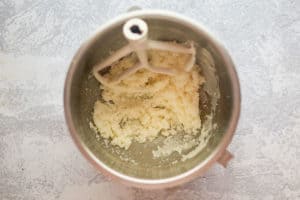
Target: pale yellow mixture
[{"x": 147, "y": 104}]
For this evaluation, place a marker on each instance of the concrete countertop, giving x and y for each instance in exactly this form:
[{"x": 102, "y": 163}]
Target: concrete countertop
[{"x": 38, "y": 159}]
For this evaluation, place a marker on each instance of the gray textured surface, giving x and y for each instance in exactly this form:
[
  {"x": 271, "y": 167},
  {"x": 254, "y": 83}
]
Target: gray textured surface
[{"x": 38, "y": 160}]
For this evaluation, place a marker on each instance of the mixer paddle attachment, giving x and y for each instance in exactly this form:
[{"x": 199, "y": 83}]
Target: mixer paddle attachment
[{"x": 135, "y": 31}]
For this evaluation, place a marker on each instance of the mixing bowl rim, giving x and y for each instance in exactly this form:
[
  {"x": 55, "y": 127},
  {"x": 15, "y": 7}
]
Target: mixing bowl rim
[{"x": 199, "y": 168}]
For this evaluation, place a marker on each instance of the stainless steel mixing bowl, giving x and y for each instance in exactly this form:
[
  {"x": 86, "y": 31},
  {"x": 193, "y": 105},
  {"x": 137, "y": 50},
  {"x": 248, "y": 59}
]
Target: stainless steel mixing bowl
[{"x": 136, "y": 166}]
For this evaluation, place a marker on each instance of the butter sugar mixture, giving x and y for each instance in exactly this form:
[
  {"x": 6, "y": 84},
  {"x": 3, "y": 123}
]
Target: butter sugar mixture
[{"x": 147, "y": 104}]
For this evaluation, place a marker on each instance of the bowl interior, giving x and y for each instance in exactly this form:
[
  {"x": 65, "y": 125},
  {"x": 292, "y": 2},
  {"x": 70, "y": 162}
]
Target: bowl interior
[{"x": 216, "y": 100}]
